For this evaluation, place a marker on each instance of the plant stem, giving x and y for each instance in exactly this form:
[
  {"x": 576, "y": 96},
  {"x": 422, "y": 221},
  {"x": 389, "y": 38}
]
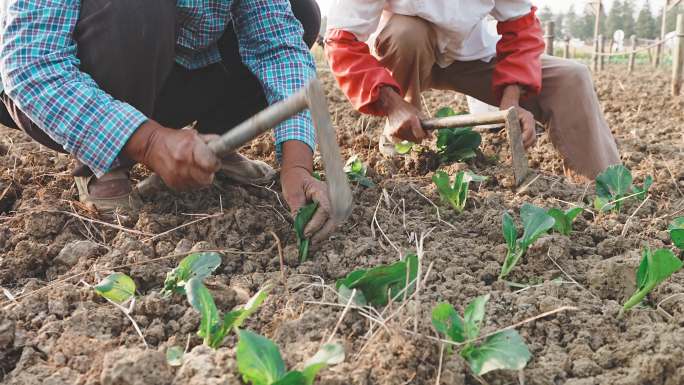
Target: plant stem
[{"x": 638, "y": 296}]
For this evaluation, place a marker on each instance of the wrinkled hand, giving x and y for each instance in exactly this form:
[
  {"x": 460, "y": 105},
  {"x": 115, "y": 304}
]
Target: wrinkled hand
[
  {"x": 403, "y": 118},
  {"x": 511, "y": 97},
  {"x": 180, "y": 157},
  {"x": 300, "y": 188}
]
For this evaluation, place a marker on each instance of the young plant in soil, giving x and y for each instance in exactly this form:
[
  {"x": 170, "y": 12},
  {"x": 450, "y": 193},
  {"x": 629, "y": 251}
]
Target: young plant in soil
[
  {"x": 536, "y": 221},
  {"x": 455, "y": 194},
  {"x": 303, "y": 217},
  {"x": 196, "y": 265},
  {"x": 377, "y": 285},
  {"x": 214, "y": 327},
  {"x": 677, "y": 232},
  {"x": 503, "y": 350},
  {"x": 116, "y": 287},
  {"x": 614, "y": 185},
  {"x": 642, "y": 191},
  {"x": 564, "y": 220},
  {"x": 655, "y": 267},
  {"x": 356, "y": 172},
  {"x": 456, "y": 144},
  {"x": 260, "y": 362}
]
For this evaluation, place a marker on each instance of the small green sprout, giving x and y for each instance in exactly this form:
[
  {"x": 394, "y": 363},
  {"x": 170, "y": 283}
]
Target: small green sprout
[
  {"x": 195, "y": 265},
  {"x": 372, "y": 285},
  {"x": 456, "y": 144},
  {"x": 303, "y": 217},
  {"x": 503, "y": 350},
  {"x": 677, "y": 232},
  {"x": 404, "y": 147},
  {"x": 174, "y": 356},
  {"x": 564, "y": 219},
  {"x": 356, "y": 172},
  {"x": 116, "y": 287},
  {"x": 642, "y": 191},
  {"x": 612, "y": 187},
  {"x": 655, "y": 267},
  {"x": 455, "y": 194},
  {"x": 213, "y": 327},
  {"x": 260, "y": 362},
  {"x": 535, "y": 221}
]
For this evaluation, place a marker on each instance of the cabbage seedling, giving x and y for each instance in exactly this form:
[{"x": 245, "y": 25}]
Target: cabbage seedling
[
  {"x": 612, "y": 187},
  {"x": 655, "y": 267},
  {"x": 535, "y": 223},
  {"x": 677, "y": 233},
  {"x": 260, "y": 362},
  {"x": 196, "y": 265},
  {"x": 564, "y": 219},
  {"x": 455, "y": 194},
  {"x": 375, "y": 286},
  {"x": 303, "y": 217},
  {"x": 213, "y": 327},
  {"x": 404, "y": 147},
  {"x": 116, "y": 287},
  {"x": 503, "y": 350},
  {"x": 642, "y": 191},
  {"x": 456, "y": 144},
  {"x": 356, "y": 171}
]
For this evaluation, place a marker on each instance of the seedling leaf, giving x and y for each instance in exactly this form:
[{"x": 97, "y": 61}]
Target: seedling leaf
[
  {"x": 292, "y": 378},
  {"x": 455, "y": 194},
  {"x": 375, "y": 283},
  {"x": 303, "y": 217},
  {"x": 328, "y": 354},
  {"x": 116, "y": 287},
  {"x": 564, "y": 220},
  {"x": 677, "y": 232},
  {"x": 174, "y": 356},
  {"x": 473, "y": 316},
  {"x": 258, "y": 358},
  {"x": 199, "y": 265},
  {"x": 404, "y": 147},
  {"x": 446, "y": 320},
  {"x": 611, "y": 185},
  {"x": 510, "y": 233},
  {"x": 201, "y": 300},
  {"x": 356, "y": 172},
  {"x": 642, "y": 191},
  {"x": 655, "y": 267},
  {"x": 504, "y": 350},
  {"x": 535, "y": 223},
  {"x": 445, "y": 112}
]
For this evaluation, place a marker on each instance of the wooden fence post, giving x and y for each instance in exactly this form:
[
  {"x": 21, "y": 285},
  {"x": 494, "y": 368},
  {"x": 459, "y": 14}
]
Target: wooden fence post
[
  {"x": 566, "y": 50},
  {"x": 601, "y": 50},
  {"x": 678, "y": 58},
  {"x": 632, "y": 55},
  {"x": 663, "y": 31},
  {"x": 597, "y": 28},
  {"x": 548, "y": 37}
]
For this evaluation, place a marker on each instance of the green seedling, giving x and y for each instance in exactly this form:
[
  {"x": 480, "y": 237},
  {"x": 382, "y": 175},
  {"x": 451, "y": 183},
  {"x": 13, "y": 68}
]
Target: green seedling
[
  {"x": 404, "y": 147},
  {"x": 456, "y": 144},
  {"x": 642, "y": 191},
  {"x": 260, "y": 362},
  {"x": 356, "y": 172},
  {"x": 564, "y": 219},
  {"x": 116, "y": 287},
  {"x": 174, "y": 356},
  {"x": 655, "y": 267},
  {"x": 535, "y": 221},
  {"x": 303, "y": 217},
  {"x": 213, "y": 326},
  {"x": 612, "y": 187},
  {"x": 455, "y": 194},
  {"x": 503, "y": 350},
  {"x": 377, "y": 285},
  {"x": 677, "y": 232},
  {"x": 196, "y": 265}
]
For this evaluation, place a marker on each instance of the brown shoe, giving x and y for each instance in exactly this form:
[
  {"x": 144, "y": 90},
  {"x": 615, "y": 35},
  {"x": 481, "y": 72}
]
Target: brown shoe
[
  {"x": 110, "y": 192},
  {"x": 247, "y": 171}
]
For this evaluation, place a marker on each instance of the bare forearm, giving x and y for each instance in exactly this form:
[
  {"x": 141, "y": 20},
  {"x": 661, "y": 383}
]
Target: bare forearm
[
  {"x": 297, "y": 154},
  {"x": 511, "y": 96}
]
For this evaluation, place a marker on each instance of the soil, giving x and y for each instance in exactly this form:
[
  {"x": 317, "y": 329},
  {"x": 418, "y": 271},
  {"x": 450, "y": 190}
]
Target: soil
[{"x": 66, "y": 334}]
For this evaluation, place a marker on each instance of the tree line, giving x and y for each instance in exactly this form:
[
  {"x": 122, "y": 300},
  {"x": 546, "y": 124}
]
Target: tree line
[{"x": 623, "y": 15}]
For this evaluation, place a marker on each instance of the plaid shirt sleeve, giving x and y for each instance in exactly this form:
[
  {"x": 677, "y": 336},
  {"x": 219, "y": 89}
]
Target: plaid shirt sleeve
[
  {"x": 271, "y": 46},
  {"x": 40, "y": 72}
]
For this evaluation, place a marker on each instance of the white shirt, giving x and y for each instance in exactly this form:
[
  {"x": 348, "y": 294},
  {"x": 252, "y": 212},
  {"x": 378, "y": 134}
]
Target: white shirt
[{"x": 461, "y": 27}]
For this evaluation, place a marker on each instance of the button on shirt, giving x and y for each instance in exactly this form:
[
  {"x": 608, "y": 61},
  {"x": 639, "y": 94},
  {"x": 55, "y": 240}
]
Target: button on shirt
[{"x": 40, "y": 70}]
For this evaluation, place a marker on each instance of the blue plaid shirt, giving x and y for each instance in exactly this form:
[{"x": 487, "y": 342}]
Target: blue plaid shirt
[{"x": 40, "y": 70}]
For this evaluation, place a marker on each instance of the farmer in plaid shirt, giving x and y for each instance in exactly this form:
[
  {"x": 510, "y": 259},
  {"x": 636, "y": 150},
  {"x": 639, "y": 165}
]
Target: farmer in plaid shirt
[{"x": 112, "y": 82}]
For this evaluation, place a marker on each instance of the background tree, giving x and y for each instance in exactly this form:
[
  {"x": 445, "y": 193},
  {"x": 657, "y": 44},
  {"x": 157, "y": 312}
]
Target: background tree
[
  {"x": 628, "y": 21},
  {"x": 546, "y": 14},
  {"x": 646, "y": 24},
  {"x": 615, "y": 19}
]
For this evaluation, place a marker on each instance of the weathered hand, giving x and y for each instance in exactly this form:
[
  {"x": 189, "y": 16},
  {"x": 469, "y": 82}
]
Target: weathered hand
[
  {"x": 180, "y": 157},
  {"x": 403, "y": 118},
  {"x": 511, "y": 97},
  {"x": 300, "y": 188}
]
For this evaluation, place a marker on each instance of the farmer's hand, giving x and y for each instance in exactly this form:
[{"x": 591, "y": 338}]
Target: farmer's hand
[
  {"x": 180, "y": 157},
  {"x": 300, "y": 188},
  {"x": 403, "y": 117},
  {"x": 511, "y": 98}
]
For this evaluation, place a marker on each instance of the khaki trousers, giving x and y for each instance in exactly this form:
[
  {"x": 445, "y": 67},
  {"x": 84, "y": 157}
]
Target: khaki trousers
[{"x": 568, "y": 104}]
